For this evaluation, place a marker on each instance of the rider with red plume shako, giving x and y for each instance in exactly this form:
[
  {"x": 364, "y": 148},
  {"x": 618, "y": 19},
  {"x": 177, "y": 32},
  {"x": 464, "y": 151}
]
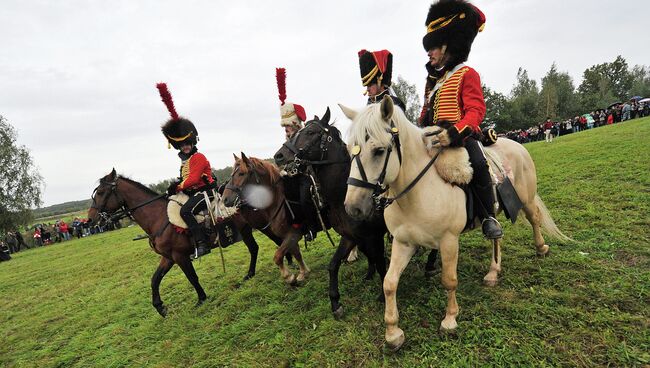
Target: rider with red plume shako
[
  {"x": 454, "y": 97},
  {"x": 292, "y": 115},
  {"x": 376, "y": 71},
  {"x": 195, "y": 173}
]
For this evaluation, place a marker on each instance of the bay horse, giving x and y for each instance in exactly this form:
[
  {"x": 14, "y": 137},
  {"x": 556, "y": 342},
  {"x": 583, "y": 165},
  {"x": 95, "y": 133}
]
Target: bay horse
[
  {"x": 116, "y": 193},
  {"x": 252, "y": 177},
  {"x": 319, "y": 147},
  {"x": 429, "y": 212}
]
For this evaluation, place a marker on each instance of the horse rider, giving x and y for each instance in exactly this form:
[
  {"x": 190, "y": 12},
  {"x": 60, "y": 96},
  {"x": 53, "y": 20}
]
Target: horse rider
[
  {"x": 376, "y": 71},
  {"x": 292, "y": 119},
  {"x": 454, "y": 97},
  {"x": 195, "y": 172}
]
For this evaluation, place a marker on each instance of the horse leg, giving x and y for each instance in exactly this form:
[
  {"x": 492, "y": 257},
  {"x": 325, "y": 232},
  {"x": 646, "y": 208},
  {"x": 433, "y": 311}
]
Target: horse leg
[
  {"x": 534, "y": 216},
  {"x": 303, "y": 269},
  {"x": 253, "y": 248},
  {"x": 430, "y": 268},
  {"x": 335, "y": 264},
  {"x": 449, "y": 258},
  {"x": 400, "y": 256},
  {"x": 164, "y": 266},
  {"x": 291, "y": 239},
  {"x": 183, "y": 261},
  {"x": 492, "y": 277},
  {"x": 374, "y": 250},
  {"x": 278, "y": 241}
]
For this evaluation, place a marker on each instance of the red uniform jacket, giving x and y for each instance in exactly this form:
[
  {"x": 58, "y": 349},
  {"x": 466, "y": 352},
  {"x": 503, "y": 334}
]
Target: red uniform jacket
[
  {"x": 459, "y": 101},
  {"x": 195, "y": 173}
]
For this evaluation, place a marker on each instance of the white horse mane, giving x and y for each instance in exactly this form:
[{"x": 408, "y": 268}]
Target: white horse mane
[{"x": 369, "y": 124}]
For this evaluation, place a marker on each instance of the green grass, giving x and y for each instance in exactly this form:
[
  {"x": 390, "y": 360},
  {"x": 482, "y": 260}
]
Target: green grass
[{"x": 87, "y": 303}]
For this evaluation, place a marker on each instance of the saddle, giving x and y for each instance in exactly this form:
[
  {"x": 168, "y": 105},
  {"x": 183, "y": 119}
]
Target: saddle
[
  {"x": 454, "y": 167},
  {"x": 218, "y": 209}
]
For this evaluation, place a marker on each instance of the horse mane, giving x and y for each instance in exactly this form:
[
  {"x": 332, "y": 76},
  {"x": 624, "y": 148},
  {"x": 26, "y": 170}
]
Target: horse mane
[
  {"x": 274, "y": 172},
  {"x": 369, "y": 125},
  {"x": 138, "y": 185}
]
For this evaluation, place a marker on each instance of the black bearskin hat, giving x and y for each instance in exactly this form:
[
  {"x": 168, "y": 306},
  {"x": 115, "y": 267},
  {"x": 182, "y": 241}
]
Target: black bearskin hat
[
  {"x": 177, "y": 130},
  {"x": 454, "y": 23},
  {"x": 376, "y": 66}
]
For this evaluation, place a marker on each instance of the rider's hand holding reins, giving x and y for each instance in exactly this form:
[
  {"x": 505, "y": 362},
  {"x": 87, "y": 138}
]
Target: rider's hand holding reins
[{"x": 171, "y": 190}]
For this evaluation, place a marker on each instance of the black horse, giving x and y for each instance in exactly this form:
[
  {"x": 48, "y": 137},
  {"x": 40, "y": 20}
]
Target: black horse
[{"x": 319, "y": 149}]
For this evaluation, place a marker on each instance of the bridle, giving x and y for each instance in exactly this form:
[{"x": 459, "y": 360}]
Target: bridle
[
  {"x": 298, "y": 165},
  {"x": 237, "y": 189},
  {"x": 379, "y": 187},
  {"x": 123, "y": 210}
]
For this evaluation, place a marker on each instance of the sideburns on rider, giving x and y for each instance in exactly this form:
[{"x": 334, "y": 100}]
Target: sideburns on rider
[
  {"x": 195, "y": 171},
  {"x": 454, "y": 97}
]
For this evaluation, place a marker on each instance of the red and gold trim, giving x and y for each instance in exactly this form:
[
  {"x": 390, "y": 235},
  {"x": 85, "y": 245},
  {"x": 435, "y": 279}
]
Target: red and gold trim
[{"x": 446, "y": 106}]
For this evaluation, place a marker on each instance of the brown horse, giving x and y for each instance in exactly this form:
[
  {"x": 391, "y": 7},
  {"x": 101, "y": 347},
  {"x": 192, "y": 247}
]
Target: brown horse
[
  {"x": 116, "y": 194},
  {"x": 254, "y": 180}
]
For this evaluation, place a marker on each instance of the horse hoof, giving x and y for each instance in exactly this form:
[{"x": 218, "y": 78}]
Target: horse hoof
[
  {"x": 248, "y": 277},
  {"x": 290, "y": 280},
  {"x": 429, "y": 273},
  {"x": 162, "y": 310},
  {"x": 490, "y": 282},
  {"x": 394, "y": 342},
  {"x": 338, "y": 313},
  {"x": 543, "y": 251},
  {"x": 448, "y": 327},
  {"x": 199, "y": 303}
]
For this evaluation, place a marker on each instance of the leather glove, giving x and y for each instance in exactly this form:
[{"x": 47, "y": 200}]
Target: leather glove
[{"x": 171, "y": 190}]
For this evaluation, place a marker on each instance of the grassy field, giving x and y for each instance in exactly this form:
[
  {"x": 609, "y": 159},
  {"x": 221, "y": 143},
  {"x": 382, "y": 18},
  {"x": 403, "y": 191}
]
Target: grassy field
[{"x": 87, "y": 303}]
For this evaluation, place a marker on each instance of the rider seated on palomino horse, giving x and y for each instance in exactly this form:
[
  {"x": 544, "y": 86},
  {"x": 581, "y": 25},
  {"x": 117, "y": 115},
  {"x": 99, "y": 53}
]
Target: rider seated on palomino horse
[
  {"x": 454, "y": 97},
  {"x": 293, "y": 117},
  {"x": 376, "y": 71},
  {"x": 195, "y": 173}
]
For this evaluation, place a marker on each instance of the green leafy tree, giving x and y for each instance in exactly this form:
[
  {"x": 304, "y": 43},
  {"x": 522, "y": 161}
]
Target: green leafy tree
[
  {"x": 525, "y": 99},
  {"x": 640, "y": 81},
  {"x": 558, "y": 99},
  {"x": 605, "y": 83},
  {"x": 498, "y": 109},
  {"x": 20, "y": 182},
  {"x": 407, "y": 92}
]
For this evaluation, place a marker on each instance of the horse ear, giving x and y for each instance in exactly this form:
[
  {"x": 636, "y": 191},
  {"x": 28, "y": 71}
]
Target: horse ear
[
  {"x": 246, "y": 160},
  {"x": 387, "y": 108},
  {"x": 235, "y": 156},
  {"x": 326, "y": 118},
  {"x": 112, "y": 175},
  {"x": 351, "y": 114}
]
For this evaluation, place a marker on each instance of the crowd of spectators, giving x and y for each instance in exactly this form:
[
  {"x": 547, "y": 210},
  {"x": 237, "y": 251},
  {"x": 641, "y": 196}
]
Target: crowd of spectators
[
  {"x": 550, "y": 129},
  {"x": 48, "y": 233}
]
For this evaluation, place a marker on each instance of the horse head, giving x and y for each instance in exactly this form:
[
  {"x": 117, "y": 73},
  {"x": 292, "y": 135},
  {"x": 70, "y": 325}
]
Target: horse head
[
  {"x": 373, "y": 136},
  {"x": 249, "y": 183},
  {"x": 105, "y": 199},
  {"x": 310, "y": 143}
]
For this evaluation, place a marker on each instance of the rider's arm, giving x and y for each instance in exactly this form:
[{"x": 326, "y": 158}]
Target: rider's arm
[
  {"x": 472, "y": 105},
  {"x": 198, "y": 166}
]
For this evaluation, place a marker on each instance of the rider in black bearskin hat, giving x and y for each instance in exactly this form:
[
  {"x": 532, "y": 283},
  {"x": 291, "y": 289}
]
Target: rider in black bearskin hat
[
  {"x": 454, "y": 97},
  {"x": 196, "y": 173},
  {"x": 376, "y": 71}
]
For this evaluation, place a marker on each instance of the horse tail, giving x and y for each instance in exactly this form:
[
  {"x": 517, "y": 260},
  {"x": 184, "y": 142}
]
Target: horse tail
[{"x": 546, "y": 222}]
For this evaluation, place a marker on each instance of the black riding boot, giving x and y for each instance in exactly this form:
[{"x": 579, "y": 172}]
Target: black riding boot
[
  {"x": 202, "y": 247},
  {"x": 489, "y": 224},
  {"x": 482, "y": 183}
]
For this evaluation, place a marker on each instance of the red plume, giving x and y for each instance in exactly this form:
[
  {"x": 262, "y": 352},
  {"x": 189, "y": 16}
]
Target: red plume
[
  {"x": 281, "y": 77},
  {"x": 167, "y": 99}
]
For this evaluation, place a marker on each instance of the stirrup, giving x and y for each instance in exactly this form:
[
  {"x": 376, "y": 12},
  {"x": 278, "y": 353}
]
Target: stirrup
[{"x": 496, "y": 233}]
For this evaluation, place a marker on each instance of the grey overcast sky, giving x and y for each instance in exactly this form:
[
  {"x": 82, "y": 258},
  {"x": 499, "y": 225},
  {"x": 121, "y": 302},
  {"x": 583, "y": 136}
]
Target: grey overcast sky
[{"x": 77, "y": 78}]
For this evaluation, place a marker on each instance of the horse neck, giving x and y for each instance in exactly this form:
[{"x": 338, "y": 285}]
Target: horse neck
[
  {"x": 414, "y": 158},
  {"x": 148, "y": 216},
  {"x": 332, "y": 178}
]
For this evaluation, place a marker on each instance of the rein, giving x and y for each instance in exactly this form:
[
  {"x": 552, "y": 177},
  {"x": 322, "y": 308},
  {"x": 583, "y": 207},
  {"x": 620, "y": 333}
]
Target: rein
[
  {"x": 124, "y": 210},
  {"x": 379, "y": 187}
]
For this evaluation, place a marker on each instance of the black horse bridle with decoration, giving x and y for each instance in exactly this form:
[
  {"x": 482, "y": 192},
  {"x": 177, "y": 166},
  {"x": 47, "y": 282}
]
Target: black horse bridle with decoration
[
  {"x": 298, "y": 165},
  {"x": 379, "y": 187}
]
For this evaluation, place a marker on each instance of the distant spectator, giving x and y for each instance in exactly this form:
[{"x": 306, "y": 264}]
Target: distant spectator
[
  {"x": 548, "y": 126},
  {"x": 20, "y": 240},
  {"x": 626, "y": 112}
]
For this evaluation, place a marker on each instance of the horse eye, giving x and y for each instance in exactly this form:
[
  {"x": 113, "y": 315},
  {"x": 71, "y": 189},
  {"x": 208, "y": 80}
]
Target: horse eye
[
  {"x": 378, "y": 151},
  {"x": 241, "y": 174}
]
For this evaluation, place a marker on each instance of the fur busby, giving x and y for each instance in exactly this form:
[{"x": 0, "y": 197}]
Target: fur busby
[
  {"x": 454, "y": 23},
  {"x": 177, "y": 130},
  {"x": 376, "y": 66},
  {"x": 291, "y": 114}
]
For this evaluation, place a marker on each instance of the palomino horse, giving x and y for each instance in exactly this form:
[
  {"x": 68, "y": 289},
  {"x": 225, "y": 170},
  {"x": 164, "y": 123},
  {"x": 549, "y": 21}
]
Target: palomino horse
[
  {"x": 254, "y": 180},
  {"x": 149, "y": 210},
  {"x": 318, "y": 147},
  {"x": 429, "y": 212}
]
